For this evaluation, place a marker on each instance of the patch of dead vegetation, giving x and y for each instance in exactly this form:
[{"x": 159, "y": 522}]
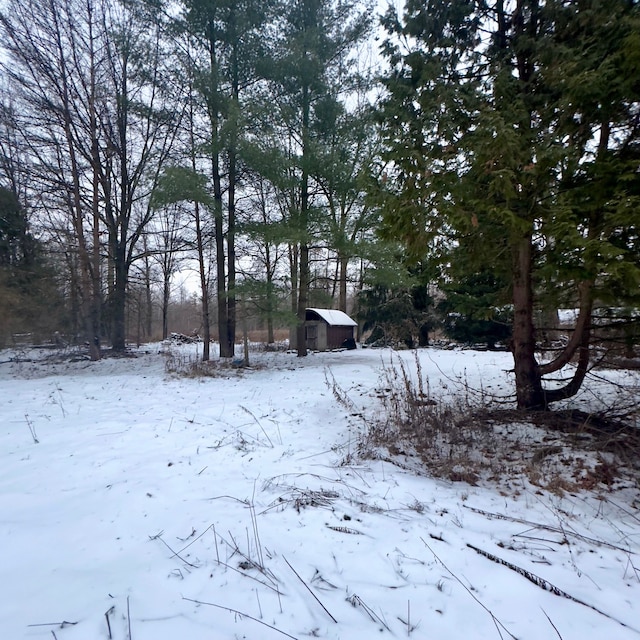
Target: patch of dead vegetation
[
  {"x": 188, "y": 366},
  {"x": 468, "y": 440}
]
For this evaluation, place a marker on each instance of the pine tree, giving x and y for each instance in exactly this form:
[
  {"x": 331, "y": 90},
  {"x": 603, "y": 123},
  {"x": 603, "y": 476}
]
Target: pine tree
[
  {"x": 233, "y": 36},
  {"x": 514, "y": 123},
  {"x": 318, "y": 37}
]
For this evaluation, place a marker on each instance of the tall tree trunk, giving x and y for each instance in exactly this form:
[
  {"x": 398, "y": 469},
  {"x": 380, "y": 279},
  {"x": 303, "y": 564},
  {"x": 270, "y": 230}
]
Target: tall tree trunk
[
  {"x": 270, "y": 294},
  {"x": 529, "y": 393},
  {"x": 303, "y": 300},
  {"x": 122, "y": 214},
  {"x": 230, "y": 336},
  {"x": 96, "y": 281},
  {"x": 221, "y": 288},
  {"x": 90, "y": 318},
  {"x": 305, "y": 276},
  {"x": 119, "y": 299},
  {"x": 148, "y": 298},
  {"x": 342, "y": 277},
  {"x": 74, "y": 289},
  {"x": 232, "y": 151},
  {"x": 166, "y": 293},
  {"x": 206, "y": 322},
  {"x": 214, "y": 118},
  {"x": 294, "y": 259}
]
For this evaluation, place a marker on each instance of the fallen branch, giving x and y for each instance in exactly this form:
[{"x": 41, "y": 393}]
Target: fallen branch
[
  {"x": 309, "y": 590},
  {"x": 455, "y": 577},
  {"x": 545, "y": 584},
  {"x": 250, "y": 563},
  {"x": 248, "y": 575},
  {"x": 239, "y": 613},
  {"x": 176, "y": 554},
  {"x": 194, "y": 540},
  {"x": 62, "y": 625}
]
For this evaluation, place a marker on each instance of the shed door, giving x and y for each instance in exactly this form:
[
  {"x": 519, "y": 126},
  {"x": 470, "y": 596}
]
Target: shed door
[{"x": 312, "y": 336}]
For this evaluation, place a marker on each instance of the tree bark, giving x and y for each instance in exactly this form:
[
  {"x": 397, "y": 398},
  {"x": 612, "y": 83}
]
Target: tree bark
[
  {"x": 119, "y": 299},
  {"x": 213, "y": 100},
  {"x": 529, "y": 393},
  {"x": 166, "y": 293},
  {"x": 304, "y": 280},
  {"x": 232, "y": 152},
  {"x": 204, "y": 288},
  {"x": 303, "y": 300},
  {"x": 344, "y": 265}
]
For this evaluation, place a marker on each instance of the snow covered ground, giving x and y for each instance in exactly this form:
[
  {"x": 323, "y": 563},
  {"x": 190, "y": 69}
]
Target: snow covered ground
[{"x": 158, "y": 507}]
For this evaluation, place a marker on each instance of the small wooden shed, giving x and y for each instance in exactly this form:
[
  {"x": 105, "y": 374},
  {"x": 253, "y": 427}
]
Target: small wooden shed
[{"x": 327, "y": 329}]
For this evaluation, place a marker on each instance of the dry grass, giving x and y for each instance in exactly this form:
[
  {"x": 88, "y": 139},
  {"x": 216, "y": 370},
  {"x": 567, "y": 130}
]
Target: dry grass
[
  {"x": 468, "y": 440},
  {"x": 188, "y": 366}
]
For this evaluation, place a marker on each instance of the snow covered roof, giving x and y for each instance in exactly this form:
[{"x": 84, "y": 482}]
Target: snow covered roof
[{"x": 334, "y": 317}]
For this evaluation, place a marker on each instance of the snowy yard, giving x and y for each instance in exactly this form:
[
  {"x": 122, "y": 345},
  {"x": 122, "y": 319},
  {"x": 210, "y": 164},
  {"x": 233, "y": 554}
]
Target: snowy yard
[{"x": 139, "y": 504}]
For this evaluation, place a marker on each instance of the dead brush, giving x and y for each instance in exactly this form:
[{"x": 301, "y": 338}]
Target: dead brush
[
  {"x": 189, "y": 366},
  {"x": 461, "y": 438},
  {"x": 470, "y": 437},
  {"x": 185, "y": 366},
  {"x": 341, "y": 395},
  {"x": 300, "y": 499},
  {"x": 447, "y": 436}
]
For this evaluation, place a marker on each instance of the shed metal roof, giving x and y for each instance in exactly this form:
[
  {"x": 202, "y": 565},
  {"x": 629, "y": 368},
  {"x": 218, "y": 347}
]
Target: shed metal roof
[{"x": 334, "y": 318}]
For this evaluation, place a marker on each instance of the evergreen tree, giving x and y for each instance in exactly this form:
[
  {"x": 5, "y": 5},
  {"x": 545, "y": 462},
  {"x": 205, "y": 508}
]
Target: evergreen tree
[
  {"x": 514, "y": 123},
  {"x": 318, "y": 37},
  {"x": 233, "y": 38},
  {"x": 347, "y": 150},
  {"x": 396, "y": 304},
  {"x": 474, "y": 309}
]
